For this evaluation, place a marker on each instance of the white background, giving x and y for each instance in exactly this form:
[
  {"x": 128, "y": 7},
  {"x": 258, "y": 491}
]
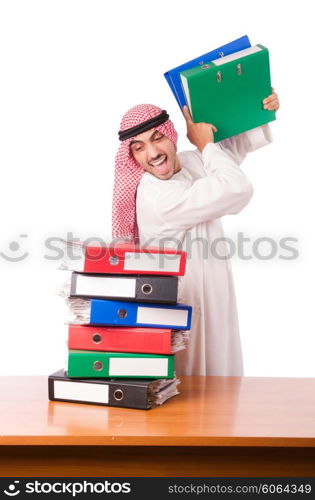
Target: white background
[{"x": 69, "y": 70}]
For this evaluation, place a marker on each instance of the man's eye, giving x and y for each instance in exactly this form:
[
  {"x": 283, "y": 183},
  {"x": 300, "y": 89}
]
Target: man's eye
[{"x": 158, "y": 137}]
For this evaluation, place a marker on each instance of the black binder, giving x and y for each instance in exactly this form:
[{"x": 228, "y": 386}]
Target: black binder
[
  {"x": 140, "y": 394},
  {"x": 133, "y": 288}
]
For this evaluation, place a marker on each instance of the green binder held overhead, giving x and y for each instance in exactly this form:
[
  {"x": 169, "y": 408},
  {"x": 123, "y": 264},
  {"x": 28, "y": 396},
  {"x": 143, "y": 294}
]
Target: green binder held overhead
[{"x": 228, "y": 92}]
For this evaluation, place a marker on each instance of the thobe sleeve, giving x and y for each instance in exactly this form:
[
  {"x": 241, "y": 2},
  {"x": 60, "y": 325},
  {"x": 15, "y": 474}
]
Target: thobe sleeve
[
  {"x": 224, "y": 190},
  {"x": 239, "y": 145}
]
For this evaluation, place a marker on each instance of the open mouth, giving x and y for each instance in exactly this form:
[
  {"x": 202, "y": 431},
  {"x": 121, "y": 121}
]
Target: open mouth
[{"x": 160, "y": 165}]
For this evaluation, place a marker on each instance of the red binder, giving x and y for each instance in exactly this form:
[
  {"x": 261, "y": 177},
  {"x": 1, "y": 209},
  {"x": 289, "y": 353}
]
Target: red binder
[
  {"x": 124, "y": 258},
  {"x": 116, "y": 339}
]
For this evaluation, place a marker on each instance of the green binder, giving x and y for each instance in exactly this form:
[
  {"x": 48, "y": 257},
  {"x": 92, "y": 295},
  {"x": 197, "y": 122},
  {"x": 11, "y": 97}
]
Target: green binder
[
  {"x": 102, "y": 364},
  {"x": 228, "y": 92}
]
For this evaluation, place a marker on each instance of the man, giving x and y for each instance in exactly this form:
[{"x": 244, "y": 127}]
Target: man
[{"x": 168, "y": 198}]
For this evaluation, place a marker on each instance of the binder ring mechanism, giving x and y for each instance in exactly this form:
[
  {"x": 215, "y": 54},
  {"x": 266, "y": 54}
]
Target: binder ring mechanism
[
  {"x": 219, "y": 75},
  {"x": 203, "y": 65},
  {"x": 238, "y": 69}
]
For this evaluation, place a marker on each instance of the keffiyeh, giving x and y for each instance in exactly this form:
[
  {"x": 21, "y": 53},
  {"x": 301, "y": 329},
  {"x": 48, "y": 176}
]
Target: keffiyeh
[{"x": 128, "y": 172}]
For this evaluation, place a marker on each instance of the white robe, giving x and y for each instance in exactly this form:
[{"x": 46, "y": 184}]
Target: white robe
[{"x": 188, "y": 207}]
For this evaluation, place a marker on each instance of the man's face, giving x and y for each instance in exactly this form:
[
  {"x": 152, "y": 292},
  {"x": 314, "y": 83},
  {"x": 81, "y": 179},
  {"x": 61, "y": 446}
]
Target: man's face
[{"x": 156, "y": 154}]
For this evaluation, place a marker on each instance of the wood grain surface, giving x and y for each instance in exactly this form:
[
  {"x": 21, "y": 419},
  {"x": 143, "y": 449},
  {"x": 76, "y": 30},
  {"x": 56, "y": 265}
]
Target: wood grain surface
[
  {"x": 216, "y": 427},
  {"x": 210, "y": 411}
]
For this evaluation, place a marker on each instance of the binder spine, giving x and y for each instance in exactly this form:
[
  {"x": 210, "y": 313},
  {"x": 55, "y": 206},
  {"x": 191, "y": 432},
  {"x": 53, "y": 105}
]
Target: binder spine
[
  {"x": 129, "y": 397},
  {"x": 119, "y": 394},
  {"x": 157, "y": 289},
  {"x": 126, "y": 261},
  {"x": 127, "y": 314},
  {"x": 152, "y": 289},
  {"x": 91, "y": 364},
  {"x": 115, "y": 339}
]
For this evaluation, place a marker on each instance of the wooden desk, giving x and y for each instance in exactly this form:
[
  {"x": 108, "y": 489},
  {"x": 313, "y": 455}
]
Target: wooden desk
[{"x": 217, "y": 426}]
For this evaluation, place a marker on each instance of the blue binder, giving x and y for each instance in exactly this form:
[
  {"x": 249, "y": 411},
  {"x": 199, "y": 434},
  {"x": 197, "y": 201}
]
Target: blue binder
[
  {"x": 173, "y": 76},
  {"x": 120, "y": 313}
]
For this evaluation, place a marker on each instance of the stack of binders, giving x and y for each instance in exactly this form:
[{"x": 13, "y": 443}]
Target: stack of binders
[{"x": 125, "y": 325}]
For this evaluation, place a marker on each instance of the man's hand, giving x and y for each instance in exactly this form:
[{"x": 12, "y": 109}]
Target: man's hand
[
  {"x": 271, "y": 103},
  {"x": 199, "y": 134}
]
